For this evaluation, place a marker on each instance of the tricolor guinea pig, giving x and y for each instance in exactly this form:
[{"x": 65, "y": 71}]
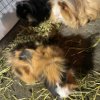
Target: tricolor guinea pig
[{"x": 57, "y": 63}]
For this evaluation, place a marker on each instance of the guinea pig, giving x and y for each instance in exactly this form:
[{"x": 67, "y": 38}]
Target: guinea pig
[
  {"x": 33, "y": 11},
  {"x": 72, "y": 13},
  {"x": 57, "y": 63}
]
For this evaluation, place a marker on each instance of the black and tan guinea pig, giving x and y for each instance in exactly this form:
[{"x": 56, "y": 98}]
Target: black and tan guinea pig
[
  {"x": 72, "y": 13},
  {"x": 33, "y": 11},
  {"x": 57, "y": 63}
]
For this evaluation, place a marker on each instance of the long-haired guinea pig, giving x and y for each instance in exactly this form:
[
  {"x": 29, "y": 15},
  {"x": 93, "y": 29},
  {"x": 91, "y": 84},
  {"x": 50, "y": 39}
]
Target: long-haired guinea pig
[
  {"x": 57, "y": 62},
  {"x": 72, "y": 13},
  {"x": 75, "y": 13},
  {"x": 33, "y": 11}
]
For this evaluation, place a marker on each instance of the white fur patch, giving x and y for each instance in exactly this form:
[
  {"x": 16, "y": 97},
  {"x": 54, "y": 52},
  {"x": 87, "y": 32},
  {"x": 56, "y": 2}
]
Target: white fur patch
[
  {"x": 56, "y": 11},
  {"x": 63, "y": 92}
]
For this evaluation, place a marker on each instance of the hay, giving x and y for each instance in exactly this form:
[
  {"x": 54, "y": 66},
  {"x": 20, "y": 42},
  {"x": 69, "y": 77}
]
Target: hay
[{"x": 89, "y": 86}]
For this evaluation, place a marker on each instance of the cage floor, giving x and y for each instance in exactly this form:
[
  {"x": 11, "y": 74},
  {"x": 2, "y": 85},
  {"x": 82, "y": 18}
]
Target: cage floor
[{"x": 12, "y": 89}]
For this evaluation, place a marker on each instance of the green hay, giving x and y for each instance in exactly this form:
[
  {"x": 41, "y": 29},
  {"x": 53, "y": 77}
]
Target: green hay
[{"x": 89, "y": 86}]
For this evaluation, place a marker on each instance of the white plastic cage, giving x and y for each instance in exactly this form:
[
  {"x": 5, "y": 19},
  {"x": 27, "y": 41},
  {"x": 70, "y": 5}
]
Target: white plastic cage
[{"x": 7, "y": 16}]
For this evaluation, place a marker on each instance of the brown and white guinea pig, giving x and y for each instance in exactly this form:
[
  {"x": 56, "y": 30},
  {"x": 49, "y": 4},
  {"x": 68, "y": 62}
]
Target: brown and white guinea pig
[
  {"x": 57, "y": 63},
  {"x": 72, "y": 13}
]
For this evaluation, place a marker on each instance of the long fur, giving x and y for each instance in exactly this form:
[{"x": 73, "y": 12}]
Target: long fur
[
  {"x": 72, "y": 13},
  {"x": 35, "y": 61},
  {"x": 57, "y": 62},
  {"x": 75, "y": 13},
  {"x": 34, "y": 11}
]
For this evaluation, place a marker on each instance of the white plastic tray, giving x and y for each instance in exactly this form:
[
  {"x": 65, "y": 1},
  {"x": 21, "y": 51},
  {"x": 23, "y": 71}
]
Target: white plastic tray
[{"x": 8, "y": 16}]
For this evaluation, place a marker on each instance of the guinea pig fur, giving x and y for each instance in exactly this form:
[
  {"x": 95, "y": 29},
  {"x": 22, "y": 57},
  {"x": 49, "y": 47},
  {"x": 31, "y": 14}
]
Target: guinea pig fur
[
  {"x": 72, "y": 13},
  {"x": 34, "y": 11},
  {"x": 75, "y": 13},
  {"x": 57, "y": 62},
  {"x": 37, "y": 60}
]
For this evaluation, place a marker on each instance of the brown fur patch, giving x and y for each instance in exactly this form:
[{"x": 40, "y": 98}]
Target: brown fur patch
[
  {"x": 21, "y": 68},
  {"x": 71, "y": 81},
  {"x": 49, "y": 63}
]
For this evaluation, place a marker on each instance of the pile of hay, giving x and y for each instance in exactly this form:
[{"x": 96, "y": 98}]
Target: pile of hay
[{"x": 12, "y": 89}]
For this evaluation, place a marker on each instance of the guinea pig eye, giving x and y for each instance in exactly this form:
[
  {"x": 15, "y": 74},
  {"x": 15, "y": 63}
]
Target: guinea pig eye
[{"x": 18, "y": 72}]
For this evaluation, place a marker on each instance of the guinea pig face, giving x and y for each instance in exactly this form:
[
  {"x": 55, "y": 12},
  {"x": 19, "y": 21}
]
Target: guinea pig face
[
  {"x": 26, "y": 11},
  {"x": 64, "y": 12},
  {"x": 22, "y": 65},
  {"x": 68, "y": 13}
]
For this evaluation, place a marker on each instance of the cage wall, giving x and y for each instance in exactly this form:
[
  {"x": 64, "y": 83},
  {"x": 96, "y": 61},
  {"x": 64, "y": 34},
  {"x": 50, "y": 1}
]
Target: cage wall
[{"x": 8, "y": 16}]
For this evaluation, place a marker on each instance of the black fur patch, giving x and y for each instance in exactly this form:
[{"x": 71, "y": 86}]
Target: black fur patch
[
  {"x": 51, "y": 88},
  {"x": 38, "y": 9}
]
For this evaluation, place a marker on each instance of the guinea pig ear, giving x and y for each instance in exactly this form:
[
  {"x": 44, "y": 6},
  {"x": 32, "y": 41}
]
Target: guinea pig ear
[
  {"x": 63, "y": 5},
  {"x": 26, "y": 55}
]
